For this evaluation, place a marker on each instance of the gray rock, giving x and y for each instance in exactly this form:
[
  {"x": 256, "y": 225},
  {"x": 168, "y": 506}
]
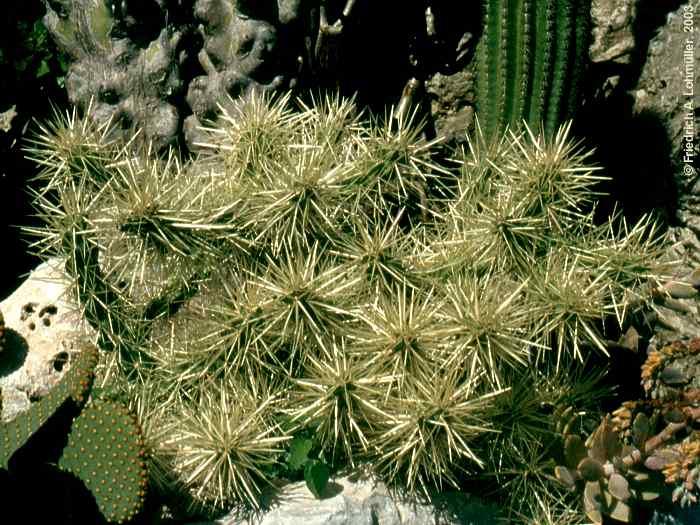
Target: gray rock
[
  {"x": 452, "y": 103},
  {"x": 240, "y": 54},
  {"x": 613, "y": 31},
  {"x": 14, "y": 402},
  {"x": 352, "y": 500},
  {"x": 42, "y": 330},
  {"x": 662, "y": 90},
  {"x": 126, "y": 63},
  {"x": 150, "y": 64},
  {"x": 669, "y": 86},
  {"x": 136, "y": 60}
]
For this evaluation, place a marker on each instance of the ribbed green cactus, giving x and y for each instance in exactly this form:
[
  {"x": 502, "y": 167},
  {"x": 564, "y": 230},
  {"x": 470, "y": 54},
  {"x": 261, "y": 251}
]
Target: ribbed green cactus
[
  {"x": 74, "y": 385},
  {"x": 530, "y": 60},
  {"x": 105, "y": 451}
]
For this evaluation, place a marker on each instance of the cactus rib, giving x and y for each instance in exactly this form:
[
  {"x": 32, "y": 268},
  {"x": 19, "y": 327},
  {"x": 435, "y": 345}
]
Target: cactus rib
[{"x": 531, "y": 57}]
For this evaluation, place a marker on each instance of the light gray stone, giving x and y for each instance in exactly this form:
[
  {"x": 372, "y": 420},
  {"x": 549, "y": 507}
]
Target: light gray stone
[
  {"x": 354, "y": 500},
  {"x": 42, "y": 330},
  {"x": 6, "y": 119},
  {"x": 613, "y": 30}
]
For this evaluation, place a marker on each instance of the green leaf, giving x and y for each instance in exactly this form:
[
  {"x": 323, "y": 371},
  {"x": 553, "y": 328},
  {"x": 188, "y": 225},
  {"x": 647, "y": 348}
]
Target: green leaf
[
  {"x": 63, "y": 62},
  {"x": 43, "y": 69},
  {"x": 299, "y": 453},
  {"x": 39, "y": 36},
  {"x": 316, "y": 475}
]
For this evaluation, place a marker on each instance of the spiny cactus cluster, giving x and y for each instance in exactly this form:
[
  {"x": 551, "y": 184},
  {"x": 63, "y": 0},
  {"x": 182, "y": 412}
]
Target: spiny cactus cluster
[
  {"x": 104, "y": 450},
  {"x": 530, "y": 62},
  {"x": 313, "y": 269},
  {"x": 644, "y": 447}
]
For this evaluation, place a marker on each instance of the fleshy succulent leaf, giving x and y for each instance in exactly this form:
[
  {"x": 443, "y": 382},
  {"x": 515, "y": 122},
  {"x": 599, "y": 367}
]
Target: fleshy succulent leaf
[
  {"x": 574, "y": 450},
  {"x": 590, "y": 469},
  {"x": 619, "y": 487},
  {"x": 566, "y": 476},
  {"x": 640, "y": 430}
]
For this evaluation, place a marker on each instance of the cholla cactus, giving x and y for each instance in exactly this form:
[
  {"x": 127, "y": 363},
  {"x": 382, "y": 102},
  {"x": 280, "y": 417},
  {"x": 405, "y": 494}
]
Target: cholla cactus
[
  {"x": 338, "y": 396},
  {"x": 393, "y": 301},
  {"x": 223, "y": 440}
]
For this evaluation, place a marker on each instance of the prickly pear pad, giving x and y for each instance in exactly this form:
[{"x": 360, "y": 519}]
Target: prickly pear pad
[
  {"x": 106, "y": 451},
  {"x": 75, "y": 384}
]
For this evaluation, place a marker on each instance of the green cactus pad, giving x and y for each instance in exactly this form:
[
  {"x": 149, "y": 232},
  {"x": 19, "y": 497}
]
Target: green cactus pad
[
  {"x": 106, "y": 452},
  {"x": 75, "y": 384}
]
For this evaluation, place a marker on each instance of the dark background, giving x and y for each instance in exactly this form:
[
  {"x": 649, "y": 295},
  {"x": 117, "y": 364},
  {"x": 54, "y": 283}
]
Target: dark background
[{"x": 31, "y": 70}]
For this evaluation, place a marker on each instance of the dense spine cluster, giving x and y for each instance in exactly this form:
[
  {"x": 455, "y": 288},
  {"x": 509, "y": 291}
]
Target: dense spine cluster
[
  {"x": 530, "y": 62},
  {"x": 311, "y": 271}
]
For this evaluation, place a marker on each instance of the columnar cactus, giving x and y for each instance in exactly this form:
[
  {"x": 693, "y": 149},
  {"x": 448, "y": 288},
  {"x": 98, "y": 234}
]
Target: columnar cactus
[{"x": 531, "y": 57}]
